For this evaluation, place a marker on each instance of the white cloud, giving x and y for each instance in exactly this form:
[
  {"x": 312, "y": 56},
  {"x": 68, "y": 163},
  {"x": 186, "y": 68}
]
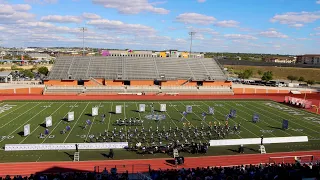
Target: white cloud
[
  {"x": 195, "y": 18},
  {"x": 121, "y": 27},
  {"x": 318, "y": 1},
  {"x": 228, "y": 24},
  {"x": 203, "y": 30},
  {"x": 273, "y": 34},
  {"x": 201, "y": 1},
  {"x": 10, "y": 13},
  {"x": 8, "y": 9},
  {"x": 240, "y": 36},
  {"x": 42, "y": 1},
  {"x": 21, "y": 7},
  {"x": 61, "y": 19},
  {"x": 317, "y": 28},
  {"x": 131, "y": 6},
  {"x": 296, "y": 18},
  {"x": 296, "y": 25},
  {"x": 91, "y": 16}
]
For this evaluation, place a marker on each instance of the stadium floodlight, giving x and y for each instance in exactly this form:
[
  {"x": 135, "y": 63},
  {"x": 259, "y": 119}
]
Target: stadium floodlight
[
  {"x": 191, "y": 35},
  {"x": 83, "y": 29}
]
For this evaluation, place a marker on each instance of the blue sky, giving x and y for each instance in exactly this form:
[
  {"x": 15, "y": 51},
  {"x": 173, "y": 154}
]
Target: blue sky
[{"x": 258, "y": 26}]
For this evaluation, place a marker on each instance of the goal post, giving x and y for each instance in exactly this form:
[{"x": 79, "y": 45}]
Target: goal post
[{"x": 291, "y": 159}]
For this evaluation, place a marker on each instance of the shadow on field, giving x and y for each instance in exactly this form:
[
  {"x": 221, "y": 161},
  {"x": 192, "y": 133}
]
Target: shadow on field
[
  {"x": 246, "y": 150},
  {"x": 135, "y": 111},
  {"x": 21, "y": 133},
  {"x": 105, "y": 155},
  {"x": 65, "y": 119},
  {"x": 275, "y": 127},
  {"x": 233, "y": 150},
  {"x": 43, "y": 125},
  {"x": 170, "y": 162},
  {"x": 56, "y": 169},
  {"x": 88, "y": 114},
  {"x": 71, "y": 156},
  {"x": 112, "y": 112}
]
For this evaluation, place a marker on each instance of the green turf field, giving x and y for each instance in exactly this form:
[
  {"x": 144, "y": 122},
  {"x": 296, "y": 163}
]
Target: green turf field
[{"x": 301, "y": 123}]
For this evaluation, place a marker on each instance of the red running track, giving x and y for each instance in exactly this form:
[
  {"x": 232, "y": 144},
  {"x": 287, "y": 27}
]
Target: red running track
[
  {"x": 51, "y": 167},
  {"x": 34, "y": 167}
]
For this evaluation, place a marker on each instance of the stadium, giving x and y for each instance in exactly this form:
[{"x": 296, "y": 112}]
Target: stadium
[{"x": 137, "y": 115}]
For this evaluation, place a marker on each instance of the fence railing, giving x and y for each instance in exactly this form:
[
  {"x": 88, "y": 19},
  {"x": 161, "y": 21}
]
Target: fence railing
[{"x": 125, "y": 168}]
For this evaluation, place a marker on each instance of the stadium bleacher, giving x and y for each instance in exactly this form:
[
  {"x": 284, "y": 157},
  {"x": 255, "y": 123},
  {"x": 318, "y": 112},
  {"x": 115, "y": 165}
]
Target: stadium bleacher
[
  {"x": 135, "y": 68},
  {"x": 186, "y": 72}
]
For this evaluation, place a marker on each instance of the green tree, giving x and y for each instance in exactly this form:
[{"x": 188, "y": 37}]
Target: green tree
[
  {"x": 267, "y": 76},
  {"x": 301, "y": 79},
  {"x": 28, "y": 73},
  {"x": 43, "y": 70},
  {"x": 260, "y": 72},
  {"x": 310, "y": 82},
  {"x": 292, "y": 78},
  {"x": 246, "y": 74}
]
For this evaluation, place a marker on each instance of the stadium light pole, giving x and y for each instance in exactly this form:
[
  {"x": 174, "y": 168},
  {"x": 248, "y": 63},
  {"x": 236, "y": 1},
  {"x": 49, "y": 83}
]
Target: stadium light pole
[
  {"x": 191, "y": 35},
  {"x": 83, "y": 29}
]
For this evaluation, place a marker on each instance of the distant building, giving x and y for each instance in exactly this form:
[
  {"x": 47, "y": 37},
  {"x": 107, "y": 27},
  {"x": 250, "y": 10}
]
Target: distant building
[
  {"x": 280, "y": 59},
  {"x": 40, "y": 56},
  {"x": 309, "y": 59}
]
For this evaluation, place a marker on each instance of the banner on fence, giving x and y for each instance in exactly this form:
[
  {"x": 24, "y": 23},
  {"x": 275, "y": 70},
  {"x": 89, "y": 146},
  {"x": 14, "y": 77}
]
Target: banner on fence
[
  {"x": 65, "y": 146},
  {"x": 274, "y": 140}
]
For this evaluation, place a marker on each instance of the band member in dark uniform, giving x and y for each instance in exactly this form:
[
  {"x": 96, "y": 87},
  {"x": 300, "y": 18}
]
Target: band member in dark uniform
[{"x": 77, "y": 148}]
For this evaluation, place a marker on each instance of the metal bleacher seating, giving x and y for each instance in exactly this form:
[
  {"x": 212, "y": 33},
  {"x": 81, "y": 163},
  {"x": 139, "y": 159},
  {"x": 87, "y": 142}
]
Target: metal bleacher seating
[{"x": 136, "y": 68}]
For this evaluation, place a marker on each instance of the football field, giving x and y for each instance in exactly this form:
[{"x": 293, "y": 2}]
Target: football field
[{"x": 15, "y": 114}]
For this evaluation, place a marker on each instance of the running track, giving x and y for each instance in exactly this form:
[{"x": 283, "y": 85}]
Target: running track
[
  {"x": 205, "y": 161},
  {"x": 49, "y": 167}
]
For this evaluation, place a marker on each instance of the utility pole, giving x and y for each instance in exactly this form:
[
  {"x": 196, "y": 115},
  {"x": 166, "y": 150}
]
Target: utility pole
[
  {"x": 191, "y": 35},
  {"x": 83, "y": 29}
]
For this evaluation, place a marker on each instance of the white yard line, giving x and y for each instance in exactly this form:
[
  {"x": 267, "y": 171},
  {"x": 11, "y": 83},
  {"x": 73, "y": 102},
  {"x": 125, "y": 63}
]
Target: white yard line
[
  {"x": 91, "y": 125},
  {"x": 39, "y": 125},
  {"x": 20, "y": 115},
  {"x": 15, "y": 110},
  {"x": 110, "y": 117},
  {"x": 205, "y": 120},
  {"x": 301, "y": 111},
  {"x": 169, "y": 116},
  {"x": 267, "y": 118},
  {"x": 232, "y": 119},
  {"x": 250, "y": 119},
  {"x": 75, "y": 123},
  {"x": 57, "y": 124},
  {"x": 274, "y": 109},
  {"x": 26, "y": 122},
  {"x": 38, "y": 158},
  {"x": 182, "y": 114}
]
